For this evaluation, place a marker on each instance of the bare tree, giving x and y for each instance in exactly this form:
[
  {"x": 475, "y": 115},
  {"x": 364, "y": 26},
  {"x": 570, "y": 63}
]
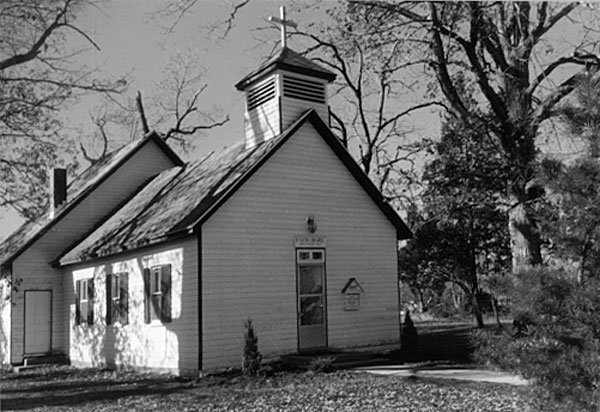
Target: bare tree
[
  {"x": 173, "y": 11},
  {"x": 38, "y": 77},
  {"x": 174, "y": 108},
  {"x": 369, "y": 108},
  {"x": 181, "y": 90},
  {"x": 504, "y": 51}
]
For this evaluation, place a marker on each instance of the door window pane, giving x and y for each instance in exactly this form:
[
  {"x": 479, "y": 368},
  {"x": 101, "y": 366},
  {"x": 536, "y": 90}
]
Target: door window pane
[
  {"x": 303, "y": 255},
  {"x": 311, "y": 279},
  {"x": 318, "y": 256},
  {"x": 311, "y": 308}
]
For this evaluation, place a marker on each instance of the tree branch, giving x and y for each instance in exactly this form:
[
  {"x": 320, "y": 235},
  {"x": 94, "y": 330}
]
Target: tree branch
[
  {"x": 36, "y": 47},
  {"x": 540, "y": 30},
  {"x": 586, "y": 59}
]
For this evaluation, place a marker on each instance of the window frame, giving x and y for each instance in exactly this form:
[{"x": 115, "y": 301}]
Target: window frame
[
  {"x": 157, "y": 294},
  {"x": 84, "y": 296},
  {"x": 117, "y": 301}
]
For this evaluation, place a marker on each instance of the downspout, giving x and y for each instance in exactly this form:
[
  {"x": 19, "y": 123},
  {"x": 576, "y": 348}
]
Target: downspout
[{"x": 198, "y": 232}]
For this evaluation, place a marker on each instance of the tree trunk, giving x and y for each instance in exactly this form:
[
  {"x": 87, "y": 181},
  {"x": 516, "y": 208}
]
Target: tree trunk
[
  {"x": 524, "y": 238},
  {"x": 477, "y": 309},
  {"x": 496, "y": 313}
]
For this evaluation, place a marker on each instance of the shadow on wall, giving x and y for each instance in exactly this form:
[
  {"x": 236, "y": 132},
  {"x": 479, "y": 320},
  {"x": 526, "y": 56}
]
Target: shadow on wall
[
  {"x": 261, "y": 125},
  {"x": 5, "y": 303},
  {"x": 138, "y": 344}
]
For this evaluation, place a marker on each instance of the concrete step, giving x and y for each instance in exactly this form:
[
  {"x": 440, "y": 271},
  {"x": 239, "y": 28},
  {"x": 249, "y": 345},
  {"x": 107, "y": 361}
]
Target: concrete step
[{"x": 35, "y": 362}]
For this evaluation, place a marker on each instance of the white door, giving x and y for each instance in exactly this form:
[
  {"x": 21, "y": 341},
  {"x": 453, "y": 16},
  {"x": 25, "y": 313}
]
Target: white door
[
  {"x": 312, "y": 328},
  {"x": 38, "y": 321}
]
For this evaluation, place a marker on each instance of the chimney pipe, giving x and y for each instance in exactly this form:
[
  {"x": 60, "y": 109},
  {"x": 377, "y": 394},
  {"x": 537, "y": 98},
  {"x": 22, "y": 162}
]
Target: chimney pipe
[{"x": 58, "y": 186}]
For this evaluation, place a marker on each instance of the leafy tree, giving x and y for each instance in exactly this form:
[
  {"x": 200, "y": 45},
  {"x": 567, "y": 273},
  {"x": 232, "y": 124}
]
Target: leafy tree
[
  {"x": 572, "y": 211},
  {"x": 38, "y": 77},
  {"x": 415, "y": 262},
  {"x": 507, "y": 50},
  {"x": 464, "y": 234},
  {"x": 556, "y": 324}
]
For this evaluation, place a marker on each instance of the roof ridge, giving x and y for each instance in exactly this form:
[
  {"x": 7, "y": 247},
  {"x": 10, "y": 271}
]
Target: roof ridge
[{"x": 21, "y": 238}]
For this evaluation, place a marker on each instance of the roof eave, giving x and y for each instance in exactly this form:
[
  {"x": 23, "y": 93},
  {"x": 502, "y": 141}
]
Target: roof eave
[
  {"x": 152, "y": 243},
  {"x": 195, "y": 226},
  {"x": 254, "y": 77},
  {"x": 152, "y": 135},
  {"x": 402, "y": 230}
]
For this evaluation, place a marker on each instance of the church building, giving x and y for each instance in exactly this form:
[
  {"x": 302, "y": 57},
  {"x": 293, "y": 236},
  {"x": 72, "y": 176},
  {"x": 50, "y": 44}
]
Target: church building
[{"x": 147, "y": 262}]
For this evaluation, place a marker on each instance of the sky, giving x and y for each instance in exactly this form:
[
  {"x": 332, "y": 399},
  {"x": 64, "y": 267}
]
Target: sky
[{"x": 132, "y": 42}]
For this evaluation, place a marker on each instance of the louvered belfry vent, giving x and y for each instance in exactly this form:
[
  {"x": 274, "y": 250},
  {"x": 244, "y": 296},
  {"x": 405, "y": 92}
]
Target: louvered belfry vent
[
  {"x": 303, "y": 89},
  {"x": 260, "y": 94},
  {"x": 282, "y": 89}
]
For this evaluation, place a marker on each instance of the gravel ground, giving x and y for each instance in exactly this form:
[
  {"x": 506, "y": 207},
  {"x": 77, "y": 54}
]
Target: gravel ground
[{"x": 65, "y": 389}]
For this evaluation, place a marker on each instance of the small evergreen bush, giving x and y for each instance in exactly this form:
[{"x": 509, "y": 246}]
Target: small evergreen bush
[
  {"x": 252, "y": 357},
  {"x": 322, "y": 364},
  {"x": 408, "y": 336}
]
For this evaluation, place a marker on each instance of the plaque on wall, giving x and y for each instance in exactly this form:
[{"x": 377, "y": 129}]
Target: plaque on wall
[
  {"x": 352, "y": 292},
  {"x": 310, "y": 241}
]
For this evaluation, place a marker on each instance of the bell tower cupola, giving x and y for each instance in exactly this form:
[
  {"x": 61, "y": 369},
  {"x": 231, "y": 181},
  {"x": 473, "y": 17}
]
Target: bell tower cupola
[{"x": 281, "y": 90}]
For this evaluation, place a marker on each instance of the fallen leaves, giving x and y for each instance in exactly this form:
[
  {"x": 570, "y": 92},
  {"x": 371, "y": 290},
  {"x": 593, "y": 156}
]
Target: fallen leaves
[{"x": 74, "y": 390}]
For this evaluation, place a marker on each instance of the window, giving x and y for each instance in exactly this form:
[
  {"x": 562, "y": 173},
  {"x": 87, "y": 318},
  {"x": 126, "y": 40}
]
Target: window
[
  {"x": 117, "y": 293},
  {"x": 84, "y": 302},
  {"x": 157, "y": 288},
  {"x": 311, "y": 256}
]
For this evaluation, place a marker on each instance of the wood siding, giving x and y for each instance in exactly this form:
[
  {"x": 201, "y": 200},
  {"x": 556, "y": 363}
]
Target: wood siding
[
  {"x": 33, "y": 267},
  {"x": 171, "y": 346},
  {"x": 249, "y": 266}
]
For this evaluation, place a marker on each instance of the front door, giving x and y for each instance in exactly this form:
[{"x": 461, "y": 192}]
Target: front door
[
  {"x": 38, "y": 321},
  {"x": 312, "y": 328}
]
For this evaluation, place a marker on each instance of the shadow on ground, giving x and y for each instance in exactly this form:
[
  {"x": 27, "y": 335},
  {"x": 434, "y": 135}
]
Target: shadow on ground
[
  {"x": 450, "y": 343},
  {"x": 70, "y": 388}
]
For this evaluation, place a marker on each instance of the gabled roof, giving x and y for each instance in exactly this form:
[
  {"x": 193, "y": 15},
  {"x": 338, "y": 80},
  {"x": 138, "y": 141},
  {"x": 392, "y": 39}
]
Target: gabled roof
[
  {"x": 286, "y": 59},
  {"x": 180, "y": 199},
  {"x": 77, "y": 190}
]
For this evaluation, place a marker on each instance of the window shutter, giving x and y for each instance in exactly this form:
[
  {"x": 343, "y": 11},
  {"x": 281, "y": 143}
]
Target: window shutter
[
  {"x": 165, "y": 288},
  {"x": 77, "y": 302},
  {"x": 109, "y": 316},
  {"x": 124, "y": 299},
  {"x": 90, "y": 310},
  {"x": 147, "y": 301}
]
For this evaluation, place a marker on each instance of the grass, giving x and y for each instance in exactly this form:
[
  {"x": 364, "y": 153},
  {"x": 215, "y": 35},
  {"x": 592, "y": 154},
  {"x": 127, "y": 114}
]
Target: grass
[{"x": 66, "y": 389}]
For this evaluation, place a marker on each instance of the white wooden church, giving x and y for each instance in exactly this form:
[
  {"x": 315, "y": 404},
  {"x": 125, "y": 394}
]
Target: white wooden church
[{"x": 148, "y": 262}]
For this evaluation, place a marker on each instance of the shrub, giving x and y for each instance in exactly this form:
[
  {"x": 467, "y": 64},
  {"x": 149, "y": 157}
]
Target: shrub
[
  {"x": 322, "y": 364},
  {"x": 555, "y": 339},
  {"x": 252, "y": 357}
]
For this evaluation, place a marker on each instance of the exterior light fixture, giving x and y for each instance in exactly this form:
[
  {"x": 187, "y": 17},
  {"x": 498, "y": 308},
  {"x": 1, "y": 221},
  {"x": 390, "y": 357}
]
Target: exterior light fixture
[{"x": 310, "y": 224}]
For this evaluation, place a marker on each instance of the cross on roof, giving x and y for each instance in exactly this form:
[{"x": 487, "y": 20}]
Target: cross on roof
[{"x": 283, "y": 23}]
